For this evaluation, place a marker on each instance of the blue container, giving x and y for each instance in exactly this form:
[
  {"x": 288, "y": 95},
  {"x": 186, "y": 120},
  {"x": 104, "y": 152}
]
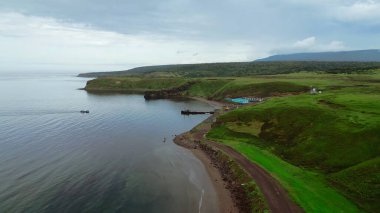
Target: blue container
[{"x": 239, "y": 100}]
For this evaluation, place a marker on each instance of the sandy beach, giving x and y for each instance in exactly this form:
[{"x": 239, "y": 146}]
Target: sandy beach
[
  {"x": 230, "y": 198},
  {"x": 226, "y": 204}
]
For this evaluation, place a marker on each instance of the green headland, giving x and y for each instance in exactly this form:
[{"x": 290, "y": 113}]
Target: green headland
[{"x": 324, "y": 148}]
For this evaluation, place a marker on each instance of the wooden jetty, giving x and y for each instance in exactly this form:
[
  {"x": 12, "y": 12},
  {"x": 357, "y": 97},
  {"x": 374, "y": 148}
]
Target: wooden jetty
[{"x": 188, "y": 112}]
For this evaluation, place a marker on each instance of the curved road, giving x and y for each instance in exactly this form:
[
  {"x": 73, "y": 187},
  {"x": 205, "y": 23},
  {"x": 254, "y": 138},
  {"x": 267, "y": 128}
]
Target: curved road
[{"x": 276, "y": 196}]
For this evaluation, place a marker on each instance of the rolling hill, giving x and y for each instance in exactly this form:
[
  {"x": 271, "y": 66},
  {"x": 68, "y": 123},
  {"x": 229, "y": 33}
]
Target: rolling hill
[
  {"x": 239, "y": 69},
  {"x": 357, "y": 55}
]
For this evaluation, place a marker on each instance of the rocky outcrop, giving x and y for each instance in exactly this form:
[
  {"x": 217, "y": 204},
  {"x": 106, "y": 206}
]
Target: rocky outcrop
[{"x": 168, "y": 93}]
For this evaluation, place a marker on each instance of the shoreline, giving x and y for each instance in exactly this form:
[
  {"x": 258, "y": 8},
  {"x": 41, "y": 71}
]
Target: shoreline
[
  {"x": 225, "y": 198},
  {"x": 221, "y": 167},
  {"x": 215, "y": 104},
  {"x": 226, "y": 204},
  {"x": 230, "y": 180},
  {"x": 223, "y": 163},
  {"x": 230, "y": 196}
]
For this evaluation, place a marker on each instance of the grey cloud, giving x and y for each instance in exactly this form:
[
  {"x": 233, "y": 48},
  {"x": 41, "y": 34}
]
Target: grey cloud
[
  {"x": 198, "y": 19},
  {"x": 258, "y": 27}
]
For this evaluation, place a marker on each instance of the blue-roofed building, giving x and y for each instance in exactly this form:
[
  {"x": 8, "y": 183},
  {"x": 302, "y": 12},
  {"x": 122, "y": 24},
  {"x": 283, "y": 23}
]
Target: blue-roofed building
[{"x": 244, "y": 100}]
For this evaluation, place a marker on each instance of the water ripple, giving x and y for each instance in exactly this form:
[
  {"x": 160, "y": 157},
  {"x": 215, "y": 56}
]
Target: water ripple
[{"x": 52, "y": 158}]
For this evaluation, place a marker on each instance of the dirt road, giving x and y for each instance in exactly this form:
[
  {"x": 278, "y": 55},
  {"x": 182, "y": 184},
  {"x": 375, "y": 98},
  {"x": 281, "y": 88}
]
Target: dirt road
[{"x": 277, "y": 198}]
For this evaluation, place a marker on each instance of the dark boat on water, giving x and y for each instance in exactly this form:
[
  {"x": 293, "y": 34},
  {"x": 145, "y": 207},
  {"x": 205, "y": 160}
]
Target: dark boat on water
[
  {"x": 84, "y": 111},
  {"x": 188, "y": 112}
]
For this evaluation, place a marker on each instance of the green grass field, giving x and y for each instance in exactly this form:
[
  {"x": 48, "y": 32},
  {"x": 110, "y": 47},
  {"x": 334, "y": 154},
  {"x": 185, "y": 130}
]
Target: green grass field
[
  {"x": 309, "y": 189},
  {"x": 320, "y": 147},
  {"x": 133, "y": 84}
]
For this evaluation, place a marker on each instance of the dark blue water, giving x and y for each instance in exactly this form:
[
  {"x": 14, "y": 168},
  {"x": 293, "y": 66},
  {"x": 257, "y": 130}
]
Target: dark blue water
[{"x": 54, "y": 159}]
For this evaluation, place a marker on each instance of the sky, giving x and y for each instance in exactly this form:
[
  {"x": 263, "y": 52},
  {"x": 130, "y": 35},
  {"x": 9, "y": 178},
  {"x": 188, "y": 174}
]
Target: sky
[{"x": 99, "y": 35}]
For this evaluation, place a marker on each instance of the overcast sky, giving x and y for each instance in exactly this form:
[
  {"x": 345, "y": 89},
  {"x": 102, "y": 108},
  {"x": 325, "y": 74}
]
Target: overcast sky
[{"x": 99, "y": 35}]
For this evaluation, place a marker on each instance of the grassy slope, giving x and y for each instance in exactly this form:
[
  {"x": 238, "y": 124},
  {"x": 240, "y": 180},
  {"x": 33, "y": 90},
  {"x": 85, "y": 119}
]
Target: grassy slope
[
  {"x": 265, "y": 89},
  {"x": 361, "y": 182},
  {"x": 217, "y": 88},
  {"x": 243, "y": 69},
  {"x": 335, "y": 134},
  {"x": 328, "y": 136},
  {"x": 220, "y": 88},
  {"x": 308, "y": 189},
  {"x": 133, "y": 84},
  {"x": 206, "y": 88}
]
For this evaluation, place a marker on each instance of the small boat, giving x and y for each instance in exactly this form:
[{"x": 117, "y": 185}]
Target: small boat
[{"x": 84, "y": 111}]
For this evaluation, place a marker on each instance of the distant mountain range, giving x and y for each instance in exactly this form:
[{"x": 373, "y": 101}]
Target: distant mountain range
[{"x": 357, "y": 55}]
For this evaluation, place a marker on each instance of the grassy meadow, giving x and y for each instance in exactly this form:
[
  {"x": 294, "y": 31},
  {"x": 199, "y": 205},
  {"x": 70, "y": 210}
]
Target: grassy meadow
[
  {"x": 323, "y": 148},
  {"x": 132, "y": 84}
]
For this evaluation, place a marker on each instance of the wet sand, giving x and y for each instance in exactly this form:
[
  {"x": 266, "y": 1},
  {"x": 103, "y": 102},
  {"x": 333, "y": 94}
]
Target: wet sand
[{"x": 226, "y": 203}]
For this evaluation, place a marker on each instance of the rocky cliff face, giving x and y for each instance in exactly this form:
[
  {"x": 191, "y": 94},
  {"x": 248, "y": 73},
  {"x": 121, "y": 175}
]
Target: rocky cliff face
[{"x": 169, "y": 93}]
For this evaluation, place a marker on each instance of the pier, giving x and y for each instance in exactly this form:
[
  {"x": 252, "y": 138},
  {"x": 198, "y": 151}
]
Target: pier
[{"x": 188, "y": 112}]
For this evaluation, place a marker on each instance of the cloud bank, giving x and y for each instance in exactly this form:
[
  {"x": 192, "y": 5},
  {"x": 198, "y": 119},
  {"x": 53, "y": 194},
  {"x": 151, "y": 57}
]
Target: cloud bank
[
  {"x": 32, "y": 41},
  {"x": 97, "y": 35}
]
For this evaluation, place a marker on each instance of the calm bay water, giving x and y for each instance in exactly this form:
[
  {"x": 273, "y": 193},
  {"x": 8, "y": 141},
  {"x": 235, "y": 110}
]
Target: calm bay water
[{"x": 54, "y": 159}]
